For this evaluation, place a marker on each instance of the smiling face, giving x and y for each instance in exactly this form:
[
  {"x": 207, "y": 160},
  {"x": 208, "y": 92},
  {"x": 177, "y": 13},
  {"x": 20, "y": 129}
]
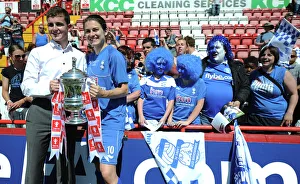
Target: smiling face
[
  {"x": 58, "y": 29},
  {"x": 18, "y": 58},
  {"x": 160, "y": 67},
  {"x": 94, "y": 33},
  {"x": 216, "y": 52},
  {"x": 267, "y": 59}
]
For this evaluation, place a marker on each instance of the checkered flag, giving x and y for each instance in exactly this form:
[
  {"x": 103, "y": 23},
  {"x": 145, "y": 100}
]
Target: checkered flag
[{"x": 284, "y": 39}]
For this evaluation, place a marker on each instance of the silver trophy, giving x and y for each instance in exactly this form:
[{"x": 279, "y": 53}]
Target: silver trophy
[{"x": 73, "y": 83}]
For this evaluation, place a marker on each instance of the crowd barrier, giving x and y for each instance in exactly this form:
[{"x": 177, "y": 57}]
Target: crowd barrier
[{"x": 276, "y": 157}]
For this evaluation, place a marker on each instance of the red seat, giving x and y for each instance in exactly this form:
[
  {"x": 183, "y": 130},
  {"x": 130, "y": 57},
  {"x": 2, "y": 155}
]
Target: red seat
[
  {"x": 276, "y": 12},
  {"x": 138, "y": 48},
  {"x": 144, "y": 29},
  {"x": 111, "y": 15},
  {"x": 242, "y": 53},
  {"x": 274, "y": 19},
  {"x": 257, "y": 12},
  {"x": 217, "y": 29},
  {"x": 239, "y": 29},
  {"x": 247, "y": 12},
  {"x": 116, "y": 22},
  {"x": 263, "y": 19},
  {"x": 128, "y": 14},
  {"x": 249, "y": 28},
  {"x": 208, "y": 37},
  {"x": 124, "y": 30},
  {"x": 140, "y": 38},
  {"x": 246, "y": 39},
  {"x": 133, "y": 30},
  {"x": 120, "y": 15},
  {"x": 126, "y": 22},
  {"x": 175, "y": 29},
  {"x": 259, "y": 28},
  {"x": 254, "y": 50},
  {"x": 296, "y": 20},
  {"x": 235, "y": 39},
  {"x": 228, "y": 29},
  {"x": 253, "y": 20},
  {"x": 206, "y": 29},
  {"x": 266, "y": 12}
]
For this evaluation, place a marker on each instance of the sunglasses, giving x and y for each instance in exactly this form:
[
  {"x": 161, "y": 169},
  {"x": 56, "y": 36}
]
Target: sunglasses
[
  {"x": 293, "y": 56},
  {"x": 19, "y": 56}
]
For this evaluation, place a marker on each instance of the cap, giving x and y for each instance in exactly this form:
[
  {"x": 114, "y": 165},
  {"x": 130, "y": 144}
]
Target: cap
[{"x": 268, "y": 24}]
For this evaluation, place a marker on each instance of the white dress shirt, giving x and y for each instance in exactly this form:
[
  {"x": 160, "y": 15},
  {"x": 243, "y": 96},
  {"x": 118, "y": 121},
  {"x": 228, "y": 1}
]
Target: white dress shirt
[{"x": 47, "y": 63}]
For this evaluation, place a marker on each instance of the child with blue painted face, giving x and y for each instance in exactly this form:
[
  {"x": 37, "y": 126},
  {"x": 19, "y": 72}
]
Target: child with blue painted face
[
  {"x": 225, "y": 79},
  {"x": 157, "y": 90},
  {"x": 190, "y": 92}
]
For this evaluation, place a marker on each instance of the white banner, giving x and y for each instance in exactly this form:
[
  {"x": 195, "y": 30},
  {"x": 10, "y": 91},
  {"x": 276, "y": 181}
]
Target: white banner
[
  {"x": 179, "y": 155},
  {"x": 36, "y": 4},
  {"x": 13, "y": 6}
]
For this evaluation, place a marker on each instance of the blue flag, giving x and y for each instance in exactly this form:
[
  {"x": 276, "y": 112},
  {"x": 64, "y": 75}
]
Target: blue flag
[
  {"x": 241, "y": 161},
  {"x": 284, "y": 39},
  {"x": 156, "y": 37}
]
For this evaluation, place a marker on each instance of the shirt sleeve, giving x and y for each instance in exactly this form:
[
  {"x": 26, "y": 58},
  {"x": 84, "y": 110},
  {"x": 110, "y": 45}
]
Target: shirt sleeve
[
  {"x": 118, "y": 68},
  {"x": 31, "y": 84},
  {"x": 135, "y": 83}
]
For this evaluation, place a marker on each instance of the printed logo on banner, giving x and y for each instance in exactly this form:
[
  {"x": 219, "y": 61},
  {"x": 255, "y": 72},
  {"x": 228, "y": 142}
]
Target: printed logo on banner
[
  {"x": 92, "y": 145},
  {"x": 90, "y": 114},
  {"x": 95, "y": 105},
  {"x": 56, "y": 125},
  {"x": 85, "y": 4},
  {"x": 56, "y": 110},
  {"x": 55, "y": 142},
  {"x": 95, "y": 130},
  {"x": 100, "y": 147},
  {"x": 35, "y": 4},
  {"x": 86, "y": 97}
]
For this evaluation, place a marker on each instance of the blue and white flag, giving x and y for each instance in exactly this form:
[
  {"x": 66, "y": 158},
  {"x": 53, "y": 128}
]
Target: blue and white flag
[
  {"x": 129, "y": 120},
  {"x": 156, "y": 37},
  {"x": 284, "y": 39},
  {"x": 241, "y": 162},
  {"x": 179, "y": 155}
]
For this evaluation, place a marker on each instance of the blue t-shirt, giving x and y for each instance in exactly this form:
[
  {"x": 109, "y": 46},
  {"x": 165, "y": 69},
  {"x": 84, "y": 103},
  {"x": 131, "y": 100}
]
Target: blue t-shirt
[
  {"x": 41, "y": 40},
  {"x": 133, "y": 85},
  {"x": 187, "y": 98},
  {"x": 218, "y": 80},
  {"x": 6, "y": 22},
  {"x": 109, "y": 68},
  {"x": 156, "y": 94},
  {"x": 266, "y": 98},
  {"x": 264, "y": 37}
]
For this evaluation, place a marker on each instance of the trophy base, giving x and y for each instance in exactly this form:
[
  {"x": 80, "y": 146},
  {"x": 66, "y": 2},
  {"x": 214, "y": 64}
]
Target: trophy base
[{"x": 75, "y": 119}]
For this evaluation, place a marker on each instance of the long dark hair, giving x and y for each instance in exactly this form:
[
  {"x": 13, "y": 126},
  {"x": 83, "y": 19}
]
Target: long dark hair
[{"x": 96, "y": 18}]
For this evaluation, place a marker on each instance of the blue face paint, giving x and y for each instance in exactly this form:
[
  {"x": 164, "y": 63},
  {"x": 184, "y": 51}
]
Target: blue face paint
[
  {"x": 160, "y": 67},
  {"x": 216, "y": 52},
  {"x": 183, "y": 72}
]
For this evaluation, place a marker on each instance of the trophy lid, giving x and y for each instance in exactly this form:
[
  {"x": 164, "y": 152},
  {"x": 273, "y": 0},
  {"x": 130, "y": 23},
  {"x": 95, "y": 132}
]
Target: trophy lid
[{"x": 74, "y": 73}]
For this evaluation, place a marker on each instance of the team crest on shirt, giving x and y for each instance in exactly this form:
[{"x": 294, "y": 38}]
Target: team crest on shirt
[
  {"x": 193, "y": 91},
  {"x": 227, "y": 70},
  {"x": 129, "y": 76},
  {"x": 163, "y": 83},
  {"x": 102, "y": 65}
]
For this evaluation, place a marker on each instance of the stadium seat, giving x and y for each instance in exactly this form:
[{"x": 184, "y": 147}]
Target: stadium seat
[
  {"x": 217, "y": 29},
  {"x": 208, "y": 37},
  {"x": 234, "y": 20},
  {"x": 154, "y": 22},
  {"x": 213, "y": 20},
  {"x": 164, "y": 22},
  {"x": 175, "y": 29},
  {"x": 254, "y": 36},
  {"x": 116, "y": 22},
  {"x": 146, "y": 15},
  {"x": 274, "y": 19},
  {"x": 140, "y": 38},
  {"x": 185, "y": 30},
  {"x": 228, "y": 29},
  {"x": 284, "y": 11},
  {"x": 173, "y": 14},
  {"x": 235, "y": 39},
  {"x": 183, "y": 21},
  {"x": 193, "y": 21},
  {"x": 131, "y": 40},
  {"x": 257, "y": 12},
  {"x": 138, "y": 48},
  {"x": 246, "y": 39},
  {"x": 203, "y": 20},
  {"x": 263, "y": 19},
  {"x": 276, "y": 12},
  {"x": 199, "y": 39},
  {"x": 247, "y": 12},
  {"x": 191, "y": 14},
  {"x": 196, "y": 30},
  {"x": 249, "y": 28},
  {"x": 124, "y": 29},
  {"x": 259, "y": 28},
  {"x": 154, "y": 14},
  {"x": 111, "y": 15},
  {"x": 266, "y": 12},
  {"x": 126, "y": 22},
  {"x": 239, "y": 13},
  {"x": 223, "y": 20},
  {"x": 243, "y": 20},
  {"x": 144, "y": 30},
  {"x": 253, "y": 20},
  {"x": 296, "y": 20},
  {"x": 151, "y": 30},
  {"x": 174, "y": 21},
  {"x": 227, "y": 13},
  {"x": 181, "y": 14},
  {"x": 239, "y": 29},
  {"x": 164, "y": 15},
  {"x": 145, "y": 22},
  {"x": 135, "y": 22},
  {"x": 242, "y": 52},
  {"x": 206, "y": 29},
  {"x": 133, "y": 30},
  {"x": 128, "y": 14},
  {"x": 253, "y": 50}
]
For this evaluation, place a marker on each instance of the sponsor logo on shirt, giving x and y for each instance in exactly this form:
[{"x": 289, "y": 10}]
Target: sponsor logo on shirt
[
  {"x": 156, "y": 92},
  {"x": 259, "y": 86},
  {"x": 217, "y": 77},
  {"x": 182, "y": 99}
]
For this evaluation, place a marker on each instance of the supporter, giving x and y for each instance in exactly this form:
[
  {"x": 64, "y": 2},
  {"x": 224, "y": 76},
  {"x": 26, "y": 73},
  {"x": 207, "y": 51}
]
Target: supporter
[
  {"x": 288, "y": 16},
  {"x": 157, "y": 90},
  {"x": 170, "y": 40},
  {"x": 267, "y": 105},
  {"x": 215, "y": 7},
  {"x": 76, "y": 7},
  {"x": 5, "y": 40},
  {"x": 148, "y": 44},
  {"x": 111, "y": 39},
  {"x": 41, "y": 38},
  {"x": 134, "y": 88},
  {"x": 294, "y": 68},
  {"x": 220, "y": 71},
  {"x": 45, "y": 5},
  {"x": 250, "y": 64},
  {"x": 181, "y": 47},
  {"x": 17, "y": 33},
  {"x": 12, "y": 76},
  {"x": 117, "y": 32},
  {"x": 108, "y": 66},
  {"x": 266, "y": 36},
  {"x": 291, "y": 7},
  {"x": 191, "y": 47},
  {"x": 74, "y": 38},
  {"x": 6, "y": 19},
  {"x": 190, "y": 92},
  {"x": 44, "y": 66}
]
